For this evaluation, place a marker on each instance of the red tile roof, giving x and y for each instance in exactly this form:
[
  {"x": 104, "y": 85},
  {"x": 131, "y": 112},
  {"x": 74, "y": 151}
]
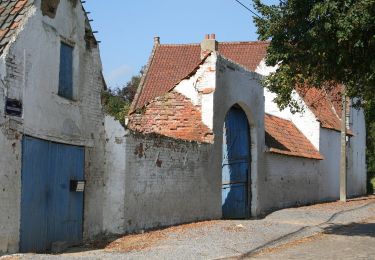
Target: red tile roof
[
  {"x": 172, "y": 115},
  {"x": 283, "y": 137},
  {"x": 172, "y": 63},
  {"x": 169, "y": 64},
  {"x": 326, "y": 105},
  {"x": 11, "y": 14}
]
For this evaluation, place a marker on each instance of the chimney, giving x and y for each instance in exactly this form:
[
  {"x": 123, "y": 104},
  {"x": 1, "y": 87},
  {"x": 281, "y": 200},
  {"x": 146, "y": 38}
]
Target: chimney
[
  {"x": 208, "y": 45},
  {"x": 156, "y": 40}
]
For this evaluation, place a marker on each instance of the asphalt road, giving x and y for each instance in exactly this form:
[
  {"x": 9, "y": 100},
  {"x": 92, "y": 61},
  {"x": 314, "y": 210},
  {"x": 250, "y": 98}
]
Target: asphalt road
[{"x": 354, "y": 241}]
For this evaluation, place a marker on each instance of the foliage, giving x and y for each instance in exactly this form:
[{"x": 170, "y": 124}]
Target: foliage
[
  {"x": 318, "y": 42},
  {"x": 116, "y": 102}
]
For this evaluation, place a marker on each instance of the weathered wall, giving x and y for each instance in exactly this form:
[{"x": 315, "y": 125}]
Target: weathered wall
[
  {"x": 31, "y": 74},
  {"x": 306, "y": 121},
  {"x": 289, "y": 181},
  {"x": 115, "y": 193},
  {"x": 10, "y": 185},
  {"x": 236, "y": 85},
  {"x": 156, "y": 181}
]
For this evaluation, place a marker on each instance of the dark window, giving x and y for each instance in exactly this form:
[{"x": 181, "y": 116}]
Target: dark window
[{"x": 66, "y": 71}]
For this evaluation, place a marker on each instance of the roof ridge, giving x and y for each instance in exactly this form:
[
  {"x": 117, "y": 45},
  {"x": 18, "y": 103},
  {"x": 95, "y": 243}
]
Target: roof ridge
[
  {"x": 178, "y": 44},
  {"x": 242, "y": 42},
  {"x": 224, "y": 42},
  {"x": 133, "y": 105},
  {"x": 268, "y": 114}
]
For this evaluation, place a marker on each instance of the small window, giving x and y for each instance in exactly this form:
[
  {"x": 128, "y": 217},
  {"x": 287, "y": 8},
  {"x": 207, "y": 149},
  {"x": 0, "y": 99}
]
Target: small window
[{"x": 66, "y": 71}]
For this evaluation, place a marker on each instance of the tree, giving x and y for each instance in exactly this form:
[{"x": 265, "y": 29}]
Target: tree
[
  {"x": 318, "y": 43},
  {"x": 116, "y": 102},
  {"x": 322, "y": 43}
]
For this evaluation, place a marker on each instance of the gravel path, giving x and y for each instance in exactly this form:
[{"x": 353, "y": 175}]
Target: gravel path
[{"x": 227, "y": 239}]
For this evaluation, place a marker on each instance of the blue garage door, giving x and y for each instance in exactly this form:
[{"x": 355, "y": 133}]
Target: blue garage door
[
  {"x": 50, "y": 211},
  {"x": 235, "y": 167}
]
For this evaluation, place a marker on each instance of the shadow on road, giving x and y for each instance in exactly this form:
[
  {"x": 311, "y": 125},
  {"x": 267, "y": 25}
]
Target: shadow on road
[{"x": 354, "y": 229}]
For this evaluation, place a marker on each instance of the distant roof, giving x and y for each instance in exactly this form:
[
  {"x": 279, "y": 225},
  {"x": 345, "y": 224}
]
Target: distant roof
[
  {"x": 170, "y": 63},
  {"x": 283, "y": 137},
  {"x": 12, "y": 12},
  {"x": 325, "y": 104}
]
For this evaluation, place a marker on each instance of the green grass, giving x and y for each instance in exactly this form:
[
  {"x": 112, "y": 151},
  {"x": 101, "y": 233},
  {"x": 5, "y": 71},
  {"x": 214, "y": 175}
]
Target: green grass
[{"x": 373, "y": 183}]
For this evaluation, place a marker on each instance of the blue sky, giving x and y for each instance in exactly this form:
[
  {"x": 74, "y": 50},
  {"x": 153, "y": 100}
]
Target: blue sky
[{"x": 126, "y": 28}]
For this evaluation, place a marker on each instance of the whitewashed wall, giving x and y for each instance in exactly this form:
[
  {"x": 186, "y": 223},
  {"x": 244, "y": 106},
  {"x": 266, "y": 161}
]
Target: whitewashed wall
[
  {"x": 236, "y": 85},
  {"x": 306, "y": 121},
  {"x": 30, "y": 70},
  {"x": 156, "y": 181},
  {"x": 289, "y": 181}
]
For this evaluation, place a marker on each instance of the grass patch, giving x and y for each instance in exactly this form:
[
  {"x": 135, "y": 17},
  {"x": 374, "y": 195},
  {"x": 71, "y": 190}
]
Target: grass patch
[{"x": 372, "y": 181}]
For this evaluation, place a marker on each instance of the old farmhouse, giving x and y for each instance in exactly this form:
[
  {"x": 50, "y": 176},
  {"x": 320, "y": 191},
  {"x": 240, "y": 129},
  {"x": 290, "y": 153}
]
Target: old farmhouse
[
  {"x": 203, "y": 140},
  {"x": 51, "y": 125}
]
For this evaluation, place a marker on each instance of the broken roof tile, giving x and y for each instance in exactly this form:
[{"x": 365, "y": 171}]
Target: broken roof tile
[
  {"x": 171, "y": 63},
  {"x": 172, "y": 115},
  {"x": 11, "y": 13}
]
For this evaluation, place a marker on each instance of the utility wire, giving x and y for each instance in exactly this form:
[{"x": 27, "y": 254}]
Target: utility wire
[{"x": 247, "y": 8}]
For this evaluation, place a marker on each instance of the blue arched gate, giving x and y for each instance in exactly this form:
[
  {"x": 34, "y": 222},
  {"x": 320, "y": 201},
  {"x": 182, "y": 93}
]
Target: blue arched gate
[{"x": 235, "y": 165}]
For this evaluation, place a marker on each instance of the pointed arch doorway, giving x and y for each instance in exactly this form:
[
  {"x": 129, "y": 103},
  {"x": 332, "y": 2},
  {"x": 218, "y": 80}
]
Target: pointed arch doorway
[{"x": 236, "y": 165}]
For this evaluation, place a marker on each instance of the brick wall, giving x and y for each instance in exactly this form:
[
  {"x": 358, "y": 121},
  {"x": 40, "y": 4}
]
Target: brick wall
[{"x": 172, "y": 115}]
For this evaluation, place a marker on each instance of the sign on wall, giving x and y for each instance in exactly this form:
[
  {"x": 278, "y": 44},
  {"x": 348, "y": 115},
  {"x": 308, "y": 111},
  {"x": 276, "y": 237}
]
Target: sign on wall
[{"x": 13, "y": 107}]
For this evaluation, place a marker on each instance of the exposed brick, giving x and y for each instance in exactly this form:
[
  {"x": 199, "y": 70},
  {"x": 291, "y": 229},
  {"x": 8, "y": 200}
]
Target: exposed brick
[{"x": 172, "y": 115}]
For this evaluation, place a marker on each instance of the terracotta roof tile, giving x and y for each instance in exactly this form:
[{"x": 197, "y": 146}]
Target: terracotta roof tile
[
  {"x": 11, "y": 14},
  {"x": 172, "y": 63},
  {"x": 248, "y": 54},
  {"x": 283, "y": 137},
  {"x": 326, "y": 106},
  {"x": 172, "y": 115}
]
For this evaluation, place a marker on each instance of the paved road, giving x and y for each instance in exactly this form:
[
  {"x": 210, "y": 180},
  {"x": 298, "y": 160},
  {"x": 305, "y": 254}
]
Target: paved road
[
  {"x": 354, "y": 241},
  {"x": 283, "y": 234}
]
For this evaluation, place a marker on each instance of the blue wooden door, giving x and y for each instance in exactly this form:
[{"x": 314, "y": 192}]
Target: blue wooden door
[
  {"x": 235, "y": 166},
  {"x": 50, "y": 212}
]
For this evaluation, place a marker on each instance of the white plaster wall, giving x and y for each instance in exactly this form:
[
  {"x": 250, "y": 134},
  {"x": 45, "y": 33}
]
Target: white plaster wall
[
  {"x": 357, "y": 175},
  {"x": 204, "y": 79},
  {"x": 305, "y": 121},
  {"x": 289, "y": 181},
  {"x": 167, "y": 182},
  {"x": 115, "y": 192},
  {"x": 31, "y": 74},
  {"x": 236, "y": 85}
]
